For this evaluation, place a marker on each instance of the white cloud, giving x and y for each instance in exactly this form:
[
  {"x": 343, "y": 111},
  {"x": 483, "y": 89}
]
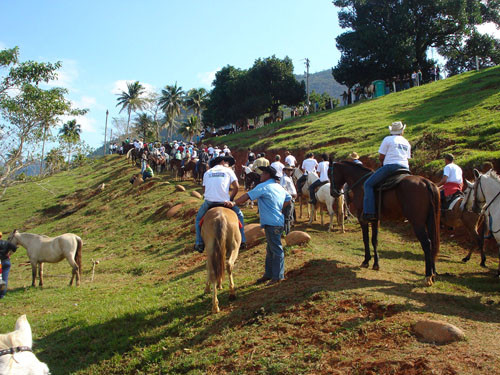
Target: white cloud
[
  {"x": 207, "y": 78},
  {"x": 121, "y": 85},
  {"x": 489, "y": 28},
  {"x": 66, "y": 75}
]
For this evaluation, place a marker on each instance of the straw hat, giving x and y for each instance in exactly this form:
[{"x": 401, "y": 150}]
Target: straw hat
[
  {"x": 354, "y": 155},
  {"x": 397, "y": 128}
]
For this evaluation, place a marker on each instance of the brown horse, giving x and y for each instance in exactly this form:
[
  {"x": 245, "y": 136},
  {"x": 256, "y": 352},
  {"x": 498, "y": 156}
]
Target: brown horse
[
  {"x": 415, "y": 198},
  {"x": 221, "y": 235},
  {"x": 200, "y": 171},
  {"x": 175, "y": 166}
]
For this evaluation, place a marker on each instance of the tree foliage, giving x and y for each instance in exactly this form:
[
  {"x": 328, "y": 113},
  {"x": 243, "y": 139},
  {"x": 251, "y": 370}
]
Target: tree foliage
[
  {"x": 171, "y": 103},
  {"x": 144, "y": 126},
  {"x": 191, "y": 128},
  {"x": 132, "y": 100}
]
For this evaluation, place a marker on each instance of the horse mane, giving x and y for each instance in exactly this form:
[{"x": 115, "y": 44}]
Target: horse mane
[
  {"x": 494, "y": 176},
  {"x": 359, "y": 166}
]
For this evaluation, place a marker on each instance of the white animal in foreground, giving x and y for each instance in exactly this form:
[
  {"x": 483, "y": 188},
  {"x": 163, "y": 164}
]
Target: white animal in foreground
[{"x": 16, "y": 357}]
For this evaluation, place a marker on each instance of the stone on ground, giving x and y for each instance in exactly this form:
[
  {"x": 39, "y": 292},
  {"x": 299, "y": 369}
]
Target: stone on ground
[
  {"x": 254, "y": 233},
  {"x": 438, "y": 331},
  {"x": 196, "y": 194},
  {"x": 138, "y": 181},
  {"x": 180, "y": 188},
  {"x": 174, "y": 210},
  {"x": 297, "y": 238}
]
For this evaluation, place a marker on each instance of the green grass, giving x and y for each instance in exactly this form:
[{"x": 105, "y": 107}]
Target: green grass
[
  {"x": 459, "y": 115},
  {"x": 145, "y": 311}
]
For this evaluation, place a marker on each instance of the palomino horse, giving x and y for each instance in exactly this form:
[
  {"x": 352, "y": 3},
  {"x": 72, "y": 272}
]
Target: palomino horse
[
  {"x": 324, "y": 198},
  {"x": 303, "y": 194},
  {"x": 486, "y": 202},
  {"x": 471, "y": 221},
  {"x": 16, "y": 357},
  {"x": 221, "y": 235},
  {"x": 415, "y": 198},
  {"x": 42, "y": 249}
]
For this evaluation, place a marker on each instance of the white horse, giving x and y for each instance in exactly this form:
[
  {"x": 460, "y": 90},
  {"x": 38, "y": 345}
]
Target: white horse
[
  {"x": 16, "y": 357},
  {"x": 486, "y": 201},
  {"x": 324, "y": 198},
  {"x": 42, "y": 249},
  {"x": 304, "y": 193}
]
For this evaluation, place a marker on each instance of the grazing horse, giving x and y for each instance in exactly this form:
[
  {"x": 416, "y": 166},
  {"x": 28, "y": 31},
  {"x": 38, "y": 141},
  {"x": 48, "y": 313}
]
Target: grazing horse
[
  {"x": 486, "y": 202},
  {"x": 221, "y": 235},
  {"x": 16, "y": 356},
  {"x": 42, "y": 249},
  {"x": 415, "y": 198}
]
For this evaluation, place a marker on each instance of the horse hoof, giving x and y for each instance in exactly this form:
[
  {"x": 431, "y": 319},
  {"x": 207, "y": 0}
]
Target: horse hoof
[
  {"x": 428, "y": 281},
  {"x": 215, "y": 310},
  {"x": 466, "y": 259},
  {"x": 232, "y": 297},
  {"x": 376, "y": 267},
  {"x": 483, "y": 264},
  {"x": 365, "y": 264}
]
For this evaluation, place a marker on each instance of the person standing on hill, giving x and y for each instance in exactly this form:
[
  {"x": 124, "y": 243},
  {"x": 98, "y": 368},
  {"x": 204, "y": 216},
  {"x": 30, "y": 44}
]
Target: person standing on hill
[
  {"x": 6, "y": 249},
  {"x": 290, "y": 159},
  {"x": 394, "y": 153},
  {"x": 323, "y": 178},
  {"x": 452, "y": 180},
  {"x": 278, "y": 165}
]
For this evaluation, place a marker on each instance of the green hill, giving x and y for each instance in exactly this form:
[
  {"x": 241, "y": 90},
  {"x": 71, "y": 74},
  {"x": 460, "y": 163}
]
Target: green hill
[
  {"x": 460, "y": 115},
  {"x": 144, "y": 312},
  {"x": 323, "y": 82}
]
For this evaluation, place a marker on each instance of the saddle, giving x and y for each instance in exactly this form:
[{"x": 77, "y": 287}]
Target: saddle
[
  {"x": 449, "y": 202},
  {"x": 393, "y": 180},
  {"x": 217, "y": 204}
]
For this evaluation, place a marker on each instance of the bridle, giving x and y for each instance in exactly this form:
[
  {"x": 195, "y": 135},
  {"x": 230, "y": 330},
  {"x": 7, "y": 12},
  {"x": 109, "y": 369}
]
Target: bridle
[
  {"x": 475, "y": 206},
  {"x": 14, "y": 350},
  {"x": 348, "y": 189}
]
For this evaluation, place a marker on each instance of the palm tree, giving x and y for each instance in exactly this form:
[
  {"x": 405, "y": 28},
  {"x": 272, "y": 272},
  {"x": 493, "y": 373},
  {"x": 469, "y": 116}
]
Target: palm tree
[
  {"x": 70, "y": 134},
  {"x": 143, "y": 124},
  {"x": 191, "y": 128},
  {"x": 196, "y": 100},
  {"x": 131, "y": 100},
  {"x": 171, "y": 102}
]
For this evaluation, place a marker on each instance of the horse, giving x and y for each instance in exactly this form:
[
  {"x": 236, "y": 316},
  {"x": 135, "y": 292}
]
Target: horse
[
  {"x": 221, "y": 235},
  {"x": 175, "y": 166},
  {"x": 189, "y": 166},
  {"x": 16, "y": 356},
  {"x": 200, "y": 171},
  {"x": 251, "y": 179},
  {"x": 303, "y": 194},
  {"x": 486, "y": 202},
  {"x": 456, "y": 214},
  {"x": 42, "y": 249},
  {"x": 415, "y": 198},
  {"x": 324, "y": 198}
]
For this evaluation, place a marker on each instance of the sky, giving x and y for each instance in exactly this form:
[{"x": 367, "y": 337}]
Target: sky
[{"x": 102, "y": 44}]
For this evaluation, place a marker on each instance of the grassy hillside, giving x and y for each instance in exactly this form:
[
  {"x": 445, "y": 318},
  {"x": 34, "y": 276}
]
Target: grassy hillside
[
  {"x": 145, "y": 311},
  {"x": 460, "y": 115}
]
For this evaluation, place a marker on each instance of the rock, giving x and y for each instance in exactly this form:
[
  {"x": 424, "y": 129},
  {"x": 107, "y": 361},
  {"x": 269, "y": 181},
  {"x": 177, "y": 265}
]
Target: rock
[
  {"x": 438, "y": 331},
  {"x": 254, "y": 233},
  {"x": 196, "y": 194},
  {"x": 297, "y": 238},
  {"x": 180, "y": 188},
  {"x": 138, "y": 181},
  {"x": 174, "y": 210}
]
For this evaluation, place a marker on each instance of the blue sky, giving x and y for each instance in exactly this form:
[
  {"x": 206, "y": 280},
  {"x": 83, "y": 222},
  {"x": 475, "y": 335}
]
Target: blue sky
[{"x": 103, "y": 44}]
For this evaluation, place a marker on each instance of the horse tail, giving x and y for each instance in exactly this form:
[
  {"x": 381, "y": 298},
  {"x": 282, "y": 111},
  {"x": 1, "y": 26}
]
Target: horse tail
[
  {"x": 78, "y": 255},
  {"x": 434, "y": 218},
  {"x": 219, "y": 249}
]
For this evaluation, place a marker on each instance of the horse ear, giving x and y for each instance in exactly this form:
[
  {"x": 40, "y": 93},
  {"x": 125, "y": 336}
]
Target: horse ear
[
  {"x": 470, "y": 185},
  {"x": 23, "y": 329},
  {"x": 476, "y": 173}
]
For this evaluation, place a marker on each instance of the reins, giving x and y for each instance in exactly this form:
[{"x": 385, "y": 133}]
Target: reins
[
  {"x": 14, "y": 350},
  {"x": 349, "y": 188}
]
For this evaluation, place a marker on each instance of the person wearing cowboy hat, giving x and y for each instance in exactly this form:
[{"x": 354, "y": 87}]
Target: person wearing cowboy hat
[
  {"x": 272, "y": 198},
  {"x": 287, "y": 183},
  {"x": 220, "y": 185},
  {"x": 394, "y": 153},
  {"x": 354, "y": 157},
  {"x": 6, "y": 249}
]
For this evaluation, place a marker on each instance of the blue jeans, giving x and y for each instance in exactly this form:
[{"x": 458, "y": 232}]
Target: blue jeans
[
  {"x": 146, "y": 175},
  {"x": 5, "y": 275},
  {"x": 275, "y": 256},
  {"x": 203, "y": 210},
  {"x": 143, "y": 166},
  {"x": 380, "y": 175}
]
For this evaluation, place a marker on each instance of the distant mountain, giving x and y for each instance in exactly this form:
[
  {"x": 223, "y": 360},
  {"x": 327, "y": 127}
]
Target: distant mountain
[{"x": 323, "y": 82}]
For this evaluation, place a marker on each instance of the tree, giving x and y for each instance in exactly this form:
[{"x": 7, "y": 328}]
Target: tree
[
  {"x": 69, "y": 134},
  {"x": 131, "y": 100},
  {"x": 171, "y": 103},
  {"x": 191, "y": 128},
  {"x": 154, "y": 108},
  {"x": 196, "y": 100},
  {"x": 143, "y": 125},
  {"x": 54, "y": 160}
]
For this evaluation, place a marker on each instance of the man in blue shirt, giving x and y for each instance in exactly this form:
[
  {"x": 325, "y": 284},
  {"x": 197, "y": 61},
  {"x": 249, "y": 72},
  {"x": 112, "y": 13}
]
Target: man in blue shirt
[
  {"x": 6, "y": 249},
  {"x": 272, "y": 198}
]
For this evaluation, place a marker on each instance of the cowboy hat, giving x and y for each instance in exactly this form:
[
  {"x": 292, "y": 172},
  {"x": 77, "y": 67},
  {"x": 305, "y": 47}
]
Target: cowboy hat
[
  {"x": 272, "y": 172},
  {"x": 396, "y": 128},
  {"x": 288, "y": 168},
  {"x": 354, "y": 155},
  {"x": 218, "y": 159}
]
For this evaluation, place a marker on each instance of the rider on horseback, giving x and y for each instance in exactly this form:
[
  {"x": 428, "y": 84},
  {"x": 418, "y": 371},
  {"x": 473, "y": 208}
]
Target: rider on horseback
[
  {"x": 394, "y": 153},
  {"x": 452, "y": 180},
  {"x": 323, "y": 178},
  {"x": 308, "y": 166},
  {"x": 221, "y": 186}
]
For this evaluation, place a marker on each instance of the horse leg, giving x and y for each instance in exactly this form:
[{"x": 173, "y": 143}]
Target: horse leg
[
  {"x": 366, "y": 242},
  {"x": 498, "y": 271},
  {"x": 321, "y": 213},
  {"x": 300, "y": 204},
  {"x": 40, "y": 273},
  {"x": 425, "y": 242},
  {"x": 33, "y": 273},
  {"x": 375, "y": 244},
  {"x": 340, "y": 214},
  {"x": 215, "y": 301},
  {"x": 71, "y": 260},
  {"x": 313, "y": 211}
]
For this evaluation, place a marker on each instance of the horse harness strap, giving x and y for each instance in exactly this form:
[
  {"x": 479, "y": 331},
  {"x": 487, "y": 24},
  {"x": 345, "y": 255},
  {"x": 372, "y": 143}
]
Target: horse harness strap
[
  {"x": 350, "y": 188},
  {"x": 15, "y": 350}
]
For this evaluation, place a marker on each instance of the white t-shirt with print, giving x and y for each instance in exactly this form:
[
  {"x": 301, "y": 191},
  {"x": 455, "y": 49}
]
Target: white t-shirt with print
[
  {"x": 279, "y": 168},
  {"x": 397, "y": 150},
  {"x": 309, "y": 165},
  {"x": 290, "y": 160},
  {"x": 454, "y": 173},
  {"x": 323, "y": 170},
  {"x": 217, "y": 181}
]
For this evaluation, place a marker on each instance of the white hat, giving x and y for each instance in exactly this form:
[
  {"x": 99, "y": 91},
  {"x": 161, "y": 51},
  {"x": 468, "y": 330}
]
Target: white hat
[{"x": 396, "y": 128}]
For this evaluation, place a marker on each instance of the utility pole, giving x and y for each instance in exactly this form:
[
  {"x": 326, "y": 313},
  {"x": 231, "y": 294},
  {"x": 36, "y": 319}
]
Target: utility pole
[
  {"x": 307, "y": 79},
  {"x": 477, "y": 64},
  {"x": 105, "y": 131}
]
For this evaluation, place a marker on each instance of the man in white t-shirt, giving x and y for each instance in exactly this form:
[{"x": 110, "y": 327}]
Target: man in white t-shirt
[
  {"x": 452, "y": 181},
  {"x": 226, "y": 150},
  {"x": 278, "y": 165},
  {"x": 220, "y": 187},
  {"x": 290, "y": 159},
  {"x": 210, "y": 150},
  {"x": 308, "y": 166},
  {"x": 394, "y": 153},
  {"x": 323, "y": 178}
]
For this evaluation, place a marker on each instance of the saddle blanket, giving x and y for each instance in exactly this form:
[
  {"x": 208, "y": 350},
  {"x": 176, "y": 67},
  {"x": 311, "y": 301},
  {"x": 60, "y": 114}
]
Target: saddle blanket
[{"x": 203, "y": 219}]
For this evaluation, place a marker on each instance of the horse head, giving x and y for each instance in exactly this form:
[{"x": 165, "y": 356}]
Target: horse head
[
  {"x": 16, "y": 356},
  {"x": 337, "y": 179},
  {"x": 12, "y": 237}
]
